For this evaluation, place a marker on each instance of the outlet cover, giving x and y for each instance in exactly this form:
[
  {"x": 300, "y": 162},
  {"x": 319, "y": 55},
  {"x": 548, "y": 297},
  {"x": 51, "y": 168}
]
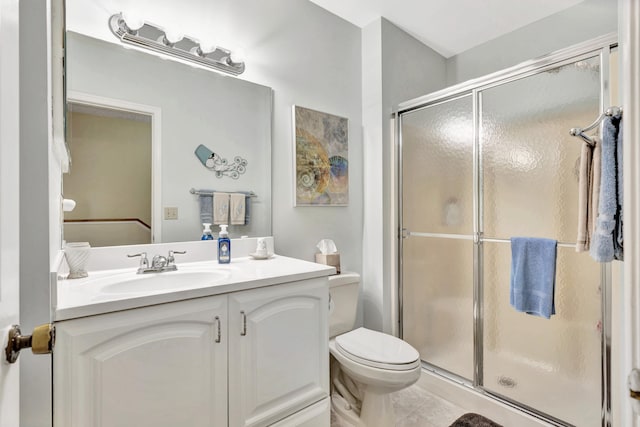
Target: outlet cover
[{"x": 170, "y": 213}]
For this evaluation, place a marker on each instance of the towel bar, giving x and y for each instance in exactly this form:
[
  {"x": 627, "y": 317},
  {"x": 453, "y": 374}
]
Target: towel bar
[
  {"x": 610, "y": 112},
  {"x": 562, "y": 245},
  {"x": 194, "y": 191}
]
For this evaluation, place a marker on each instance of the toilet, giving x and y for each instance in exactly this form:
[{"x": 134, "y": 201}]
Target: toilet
[{"x": 366, "y": 365}]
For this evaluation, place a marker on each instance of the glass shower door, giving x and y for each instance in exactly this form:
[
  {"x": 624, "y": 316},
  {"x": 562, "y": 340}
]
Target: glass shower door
[
  {"x": 529, "y": 166},
  {"x": 437, "y": 199}
]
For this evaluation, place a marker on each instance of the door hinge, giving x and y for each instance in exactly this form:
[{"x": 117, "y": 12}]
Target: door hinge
[{"x": 41, "y": 341}]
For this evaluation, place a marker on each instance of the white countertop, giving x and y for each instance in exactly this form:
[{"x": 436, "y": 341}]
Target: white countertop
[{"x": 87, "y": 297}]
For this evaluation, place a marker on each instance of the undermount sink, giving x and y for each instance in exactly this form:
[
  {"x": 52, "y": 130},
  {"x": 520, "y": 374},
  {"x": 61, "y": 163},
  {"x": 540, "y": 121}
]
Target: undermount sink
[{"x": 158, "y": 282}]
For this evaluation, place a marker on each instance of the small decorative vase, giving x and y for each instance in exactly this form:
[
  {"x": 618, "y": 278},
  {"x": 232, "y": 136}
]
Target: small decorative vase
[
  {"x": 77, "y": 255},
  {"x": 261, "y": 247}
]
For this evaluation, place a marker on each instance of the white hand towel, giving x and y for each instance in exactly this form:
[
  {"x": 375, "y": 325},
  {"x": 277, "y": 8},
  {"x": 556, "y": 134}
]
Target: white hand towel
[
  {"x": 220, "y": 208},
  {"x": 237, "y": 208}
]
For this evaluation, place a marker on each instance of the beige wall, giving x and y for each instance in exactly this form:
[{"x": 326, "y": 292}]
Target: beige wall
[{"x": 110, "y": 175}]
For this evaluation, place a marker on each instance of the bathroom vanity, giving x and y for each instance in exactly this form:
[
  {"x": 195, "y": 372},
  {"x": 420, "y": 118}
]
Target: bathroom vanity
[{"x": 249, "y": 347}]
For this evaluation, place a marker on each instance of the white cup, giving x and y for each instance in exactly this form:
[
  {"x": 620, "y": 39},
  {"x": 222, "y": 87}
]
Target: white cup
[
  {"x": 261, "y": 247},
  {"x": 77, "y": 255}
]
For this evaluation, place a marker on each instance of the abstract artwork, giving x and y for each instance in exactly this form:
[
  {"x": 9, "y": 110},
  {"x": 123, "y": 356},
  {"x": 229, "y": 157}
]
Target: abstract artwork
[{"x": 321, "y": 158}]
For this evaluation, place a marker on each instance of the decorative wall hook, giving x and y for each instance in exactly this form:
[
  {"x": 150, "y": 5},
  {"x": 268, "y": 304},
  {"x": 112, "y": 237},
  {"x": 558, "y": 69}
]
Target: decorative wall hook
[{"x": 220, "y": 166}]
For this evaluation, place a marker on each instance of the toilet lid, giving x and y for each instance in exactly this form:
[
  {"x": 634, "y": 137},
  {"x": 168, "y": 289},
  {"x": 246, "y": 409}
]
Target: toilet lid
[{"x": 377, "y": 349}]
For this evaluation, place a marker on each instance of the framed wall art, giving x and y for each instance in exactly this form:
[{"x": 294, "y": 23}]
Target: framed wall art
[{"x": 321, "y": 147}]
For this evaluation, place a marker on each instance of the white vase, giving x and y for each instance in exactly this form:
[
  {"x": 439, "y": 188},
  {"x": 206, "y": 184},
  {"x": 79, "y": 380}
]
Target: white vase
[{"x": 77, "y": 255}]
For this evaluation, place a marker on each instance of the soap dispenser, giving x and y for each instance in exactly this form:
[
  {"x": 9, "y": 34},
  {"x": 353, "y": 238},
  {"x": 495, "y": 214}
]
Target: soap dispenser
[
  {"x": 224, "y": 246},
  {"x": 206, "y": 233}
]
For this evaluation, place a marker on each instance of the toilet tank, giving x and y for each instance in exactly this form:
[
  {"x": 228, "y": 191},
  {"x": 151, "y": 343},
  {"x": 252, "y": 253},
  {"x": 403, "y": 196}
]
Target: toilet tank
[{"x": 343, "y": 293}]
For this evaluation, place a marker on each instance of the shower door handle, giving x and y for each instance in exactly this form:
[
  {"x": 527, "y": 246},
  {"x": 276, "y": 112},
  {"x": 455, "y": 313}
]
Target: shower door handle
[{"x": 404, "y": 233}]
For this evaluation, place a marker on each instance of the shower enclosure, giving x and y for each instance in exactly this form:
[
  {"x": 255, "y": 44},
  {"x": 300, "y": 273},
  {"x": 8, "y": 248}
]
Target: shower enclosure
[{"x": 482, "y": 162}]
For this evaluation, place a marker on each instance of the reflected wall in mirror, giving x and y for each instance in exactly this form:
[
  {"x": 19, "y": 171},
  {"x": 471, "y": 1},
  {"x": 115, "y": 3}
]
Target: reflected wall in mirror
[{"x": 121, "y": 100}]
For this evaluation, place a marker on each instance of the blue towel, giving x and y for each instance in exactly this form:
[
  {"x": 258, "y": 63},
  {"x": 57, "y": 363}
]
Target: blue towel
[
  {"x": 206, "y": 206},
  {"x": 533, "y": 275},
  {"x": 606, "y": 244}
]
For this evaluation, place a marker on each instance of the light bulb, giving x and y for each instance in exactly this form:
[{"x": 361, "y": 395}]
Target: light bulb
[
  {"x": 173, "y": 37},
  {"x": 134, "y": 22},
  {"x": 237, "y": 56},
  {"x": 207, "y": 46}
]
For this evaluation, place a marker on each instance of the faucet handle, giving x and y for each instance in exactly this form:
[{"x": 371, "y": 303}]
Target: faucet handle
[
  {"x": 144, "y": 262},
  {"x": 171, "y": 258}
]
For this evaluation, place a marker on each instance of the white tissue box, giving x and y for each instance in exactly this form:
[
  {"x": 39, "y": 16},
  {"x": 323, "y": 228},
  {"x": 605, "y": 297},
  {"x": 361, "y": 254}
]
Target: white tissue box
[{"x": 329, "y": 259}]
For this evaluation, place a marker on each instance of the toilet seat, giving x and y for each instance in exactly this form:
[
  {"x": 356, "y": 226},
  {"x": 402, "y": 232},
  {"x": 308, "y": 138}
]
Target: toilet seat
[{"x": 377, "y": 350}]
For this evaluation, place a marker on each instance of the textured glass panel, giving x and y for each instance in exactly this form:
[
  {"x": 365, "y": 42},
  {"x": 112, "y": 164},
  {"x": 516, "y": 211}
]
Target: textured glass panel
[
  {"x": 437, "y": 301},
  {"x": 551, "y": 365},
  {"x": 529, "y": 159},
  {"x": 437, "y": 156}
]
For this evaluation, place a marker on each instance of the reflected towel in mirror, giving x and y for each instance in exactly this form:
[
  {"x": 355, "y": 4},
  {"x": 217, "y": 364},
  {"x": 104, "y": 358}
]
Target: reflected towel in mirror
[
  {"x": 237, "y": 206},
  {"x": 220, "y": 208},
  {"x": 206, "y": 207}
]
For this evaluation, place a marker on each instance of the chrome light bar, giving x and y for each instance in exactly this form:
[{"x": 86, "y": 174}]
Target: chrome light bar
[{"x": 154, "y": 38}]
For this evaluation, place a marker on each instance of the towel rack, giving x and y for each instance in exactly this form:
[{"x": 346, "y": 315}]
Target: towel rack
[
  {"x": 611, "y": 111},
  {"x": 562, "y": 245},
  {"x": 194, "y": 191}
]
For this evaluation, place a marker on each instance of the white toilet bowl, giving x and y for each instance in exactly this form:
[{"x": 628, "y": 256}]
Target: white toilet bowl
[
  {"x": 379, "y": 364},
  {"x": 367, "y": 365}
]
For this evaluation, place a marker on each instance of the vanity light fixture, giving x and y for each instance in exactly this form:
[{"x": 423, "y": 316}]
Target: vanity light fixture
[{"x": 145, "y": 35}]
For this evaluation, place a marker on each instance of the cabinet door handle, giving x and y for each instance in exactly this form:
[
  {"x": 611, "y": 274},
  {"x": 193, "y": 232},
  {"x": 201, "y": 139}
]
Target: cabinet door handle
[
  {"x": 244, "y": 324},
  {"x": 219, "y": 327}
]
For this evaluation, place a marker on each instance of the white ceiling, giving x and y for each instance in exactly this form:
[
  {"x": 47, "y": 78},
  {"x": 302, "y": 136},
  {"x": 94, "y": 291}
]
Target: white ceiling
[{"x": 448, "y": 26}]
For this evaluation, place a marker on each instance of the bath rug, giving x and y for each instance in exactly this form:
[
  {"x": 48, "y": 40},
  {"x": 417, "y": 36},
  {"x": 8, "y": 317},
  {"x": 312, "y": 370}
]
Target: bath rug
[{"x": 473, "y": 420}]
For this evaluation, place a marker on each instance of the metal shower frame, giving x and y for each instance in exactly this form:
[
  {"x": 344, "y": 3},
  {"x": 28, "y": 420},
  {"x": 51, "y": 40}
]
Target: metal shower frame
[{"x": 600, "y": 47}]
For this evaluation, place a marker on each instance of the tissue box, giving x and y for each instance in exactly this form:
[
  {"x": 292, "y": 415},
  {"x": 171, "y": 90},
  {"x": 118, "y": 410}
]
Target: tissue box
[{"x": 329, "y": 259}]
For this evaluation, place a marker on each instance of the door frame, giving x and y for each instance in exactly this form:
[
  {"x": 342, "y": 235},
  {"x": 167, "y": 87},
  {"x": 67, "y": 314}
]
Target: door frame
[
  {"x": 83, "y": 98},
  {"x": 9, "y": 203},
  {"x": 629, "y": 25}
]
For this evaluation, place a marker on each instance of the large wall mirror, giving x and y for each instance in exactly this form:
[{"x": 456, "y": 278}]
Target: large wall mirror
[{"x": 134, "y": 121}]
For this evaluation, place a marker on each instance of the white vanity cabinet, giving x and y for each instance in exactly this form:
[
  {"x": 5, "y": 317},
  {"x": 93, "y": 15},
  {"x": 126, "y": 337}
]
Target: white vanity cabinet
[
  {"x": 250, "y": 358},
  {"x": 278, "y": 352},
  {"x": 152, "y": 366}
]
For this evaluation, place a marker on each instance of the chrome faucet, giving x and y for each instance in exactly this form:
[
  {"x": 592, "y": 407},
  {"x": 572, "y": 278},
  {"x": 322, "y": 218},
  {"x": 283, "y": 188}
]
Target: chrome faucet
[{"x": 159, "y": 263}]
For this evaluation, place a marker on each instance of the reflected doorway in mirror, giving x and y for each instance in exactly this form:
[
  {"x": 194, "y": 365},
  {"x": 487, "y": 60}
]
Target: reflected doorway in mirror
[{"x": 115, "y": 171}]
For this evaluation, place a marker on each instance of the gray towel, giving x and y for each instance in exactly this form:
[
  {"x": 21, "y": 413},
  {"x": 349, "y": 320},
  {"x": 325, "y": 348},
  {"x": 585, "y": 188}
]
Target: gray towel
[
  {"x": 603, "y": 248},
  {"x": 533, "y": 275},
  {"x": 206, "y": 206},
  {"x": 247, "y": 206}
]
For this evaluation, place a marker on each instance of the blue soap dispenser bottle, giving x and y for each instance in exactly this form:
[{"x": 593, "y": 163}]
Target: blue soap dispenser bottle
[
  {"x": 224, "y": 246},
  {"x": 206, "y": 233}
]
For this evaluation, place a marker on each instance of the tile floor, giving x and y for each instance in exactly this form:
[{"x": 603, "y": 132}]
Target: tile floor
[{"x": 416, "y": 407}]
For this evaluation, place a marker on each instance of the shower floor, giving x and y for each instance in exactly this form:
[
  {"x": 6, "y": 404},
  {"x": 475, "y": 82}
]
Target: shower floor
[{"x": 519, "y": 380}]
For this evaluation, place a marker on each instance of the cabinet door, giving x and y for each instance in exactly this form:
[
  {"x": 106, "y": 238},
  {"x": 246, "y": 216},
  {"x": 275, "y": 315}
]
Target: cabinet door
[
  {"x": 155, "y": 366},
  {"x": 278, "y": 351}
]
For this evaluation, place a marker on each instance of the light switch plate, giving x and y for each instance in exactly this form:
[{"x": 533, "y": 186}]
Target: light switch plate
[{"x": 171, "y": 213}]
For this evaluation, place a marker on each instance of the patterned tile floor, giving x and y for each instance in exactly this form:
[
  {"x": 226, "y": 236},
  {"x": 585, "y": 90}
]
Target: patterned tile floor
[{"x": 416, "y": 407}]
